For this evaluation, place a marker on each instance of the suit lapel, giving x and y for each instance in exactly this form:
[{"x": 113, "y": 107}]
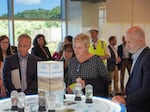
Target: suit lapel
[
  {"x": 18, "y": 64},
  {"x": 121, "y": 53},
  {"x": 112, "y": 52},
  {"x": 138, "y": 61},
  {"x": 28, "y": 68}
]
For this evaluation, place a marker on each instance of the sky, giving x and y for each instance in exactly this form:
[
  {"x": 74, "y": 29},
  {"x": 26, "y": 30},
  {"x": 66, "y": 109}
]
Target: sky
[{"x": 21, "y": 5}]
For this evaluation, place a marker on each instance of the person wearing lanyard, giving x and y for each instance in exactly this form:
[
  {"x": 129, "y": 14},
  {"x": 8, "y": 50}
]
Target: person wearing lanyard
[{"x": 98, "y": 47}]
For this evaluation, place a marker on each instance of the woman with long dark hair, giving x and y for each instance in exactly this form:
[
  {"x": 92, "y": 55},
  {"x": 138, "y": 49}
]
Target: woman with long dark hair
[
  {"x": 39, "y": 48},
  {"x": 5, "y": 50}
]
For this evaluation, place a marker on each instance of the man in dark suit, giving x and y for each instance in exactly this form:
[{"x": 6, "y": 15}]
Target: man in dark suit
[
  {"x": 138, "y": 86},
  {"x": 20, "y": 70},
  {"x": 112, "y": 65},
  {"x": 125, "y": 62}
]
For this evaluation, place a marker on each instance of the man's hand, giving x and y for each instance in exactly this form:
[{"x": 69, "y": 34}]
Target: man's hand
[{"x": 119, "y": 99}]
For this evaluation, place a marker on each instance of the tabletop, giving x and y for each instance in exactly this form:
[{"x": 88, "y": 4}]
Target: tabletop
[{"x": 99, "y": 105}]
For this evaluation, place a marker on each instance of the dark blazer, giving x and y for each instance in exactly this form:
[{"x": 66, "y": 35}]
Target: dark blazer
[
  {"x": 111, "y": 62},
  {"x": 12, "y": 63},
  {"x": 138, "y": 85},
  {"x": 37, "y": 51},
  {"x": 120, "y": 54}
]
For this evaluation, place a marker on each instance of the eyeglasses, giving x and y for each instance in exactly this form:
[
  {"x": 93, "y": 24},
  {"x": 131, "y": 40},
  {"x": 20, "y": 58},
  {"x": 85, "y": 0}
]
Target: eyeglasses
[
  {"x": 94, "y": 47},
  {"x": 78, "y": 67}
]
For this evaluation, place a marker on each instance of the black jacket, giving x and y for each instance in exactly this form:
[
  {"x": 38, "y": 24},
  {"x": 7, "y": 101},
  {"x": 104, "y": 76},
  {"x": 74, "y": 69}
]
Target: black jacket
[
  {"x": 37, "y": 51},
  {"x": 12, "y": 63},
  {"x": 111, "y": 62},
  {"x": 138, "y": 85}
]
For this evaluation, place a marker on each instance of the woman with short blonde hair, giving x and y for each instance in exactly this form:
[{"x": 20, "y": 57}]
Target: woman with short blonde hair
[
  {"x": 82, "y": 38},
  {"x": 87, "y": 68}
]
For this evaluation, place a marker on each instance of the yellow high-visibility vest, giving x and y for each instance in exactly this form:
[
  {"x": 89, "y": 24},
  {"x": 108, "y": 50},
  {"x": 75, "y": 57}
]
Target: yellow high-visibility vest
[{"x": 100, "y": 49}]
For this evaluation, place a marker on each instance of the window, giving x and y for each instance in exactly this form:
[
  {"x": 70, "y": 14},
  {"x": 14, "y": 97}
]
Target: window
[
  {"x": 102, "y": 15},
  {"x": 3, "y": 15},
  {"x": 4, "y": 27},
  {"x": 32, "y": 17},
  {"x": 50, "y": 29},
  {"x": 3, "y": 9},
  {"x": 37, "y": 9}
]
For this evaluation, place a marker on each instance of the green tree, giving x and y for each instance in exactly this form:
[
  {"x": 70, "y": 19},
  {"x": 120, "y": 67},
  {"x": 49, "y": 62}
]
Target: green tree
[{"x": 55, "y": 13}]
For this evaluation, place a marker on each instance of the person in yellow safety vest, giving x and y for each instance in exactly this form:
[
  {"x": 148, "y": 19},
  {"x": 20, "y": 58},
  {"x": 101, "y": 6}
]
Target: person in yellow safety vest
[{"x": 98, "y": 47}]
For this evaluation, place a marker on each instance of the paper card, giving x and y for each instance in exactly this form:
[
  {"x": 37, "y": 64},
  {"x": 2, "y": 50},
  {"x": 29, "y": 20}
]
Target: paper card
[
  {"x": 15, "y": 77},
  {"x": 50, "y": 79}
]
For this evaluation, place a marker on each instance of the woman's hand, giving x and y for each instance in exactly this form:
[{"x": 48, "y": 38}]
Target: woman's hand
[
  {"x": 69, "y": 90},
  {"x": 82, "y": 82}
]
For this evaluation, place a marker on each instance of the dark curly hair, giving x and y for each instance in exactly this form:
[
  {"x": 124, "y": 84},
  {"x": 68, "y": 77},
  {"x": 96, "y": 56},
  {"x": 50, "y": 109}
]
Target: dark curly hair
[
  {"x": 35, "y": 43},
  {"x": 69, "y": 38}
]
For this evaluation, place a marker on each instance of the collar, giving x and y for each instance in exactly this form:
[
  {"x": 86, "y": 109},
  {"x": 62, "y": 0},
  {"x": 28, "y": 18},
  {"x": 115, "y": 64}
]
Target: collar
[
  {"x": 112, "y": 46},
  {"x": 136, "y": 55},
  {"x": 94, "y": 42},
  {"x": 20, "y": 57}
]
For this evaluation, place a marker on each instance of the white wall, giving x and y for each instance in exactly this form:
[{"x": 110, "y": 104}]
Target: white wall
[
  {"x": 121, "y": 14},
  {"x": 130, "y": 11}
]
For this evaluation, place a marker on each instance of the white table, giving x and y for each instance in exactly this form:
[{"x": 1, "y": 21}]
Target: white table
[{"x": 99, "y": 105}]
